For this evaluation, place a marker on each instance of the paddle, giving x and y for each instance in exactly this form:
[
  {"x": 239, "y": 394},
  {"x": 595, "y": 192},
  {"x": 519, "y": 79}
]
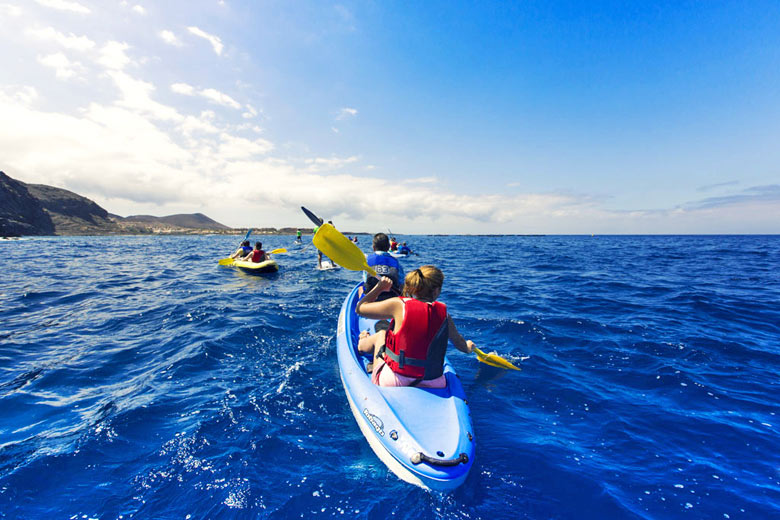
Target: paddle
[
  {"x": 341, "y": 250},
  {"x": 337, "y": 247},
  {"x": 494, "y": 360},
  {"x": 314, "y": 218}
]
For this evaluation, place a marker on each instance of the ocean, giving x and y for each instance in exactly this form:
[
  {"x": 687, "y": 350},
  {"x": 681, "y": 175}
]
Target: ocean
[{"x": 138, "y": 379}]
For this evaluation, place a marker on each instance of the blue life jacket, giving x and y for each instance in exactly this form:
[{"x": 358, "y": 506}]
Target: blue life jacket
[
  {"x": 404, "y": 250},
  {"x": 246, "y": 250},
  {"x": 385, "y": 265}
]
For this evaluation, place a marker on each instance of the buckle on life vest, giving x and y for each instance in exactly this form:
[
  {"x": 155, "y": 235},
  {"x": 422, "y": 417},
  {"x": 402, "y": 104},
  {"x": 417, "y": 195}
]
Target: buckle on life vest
[{"x": 402, "y": 360}]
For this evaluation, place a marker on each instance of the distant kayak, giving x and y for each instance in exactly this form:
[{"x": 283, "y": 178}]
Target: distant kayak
[
  {"x": 396, "y": 254},
  {"x": 423, "y": 435},
  {"x": 269, "y": 266}
]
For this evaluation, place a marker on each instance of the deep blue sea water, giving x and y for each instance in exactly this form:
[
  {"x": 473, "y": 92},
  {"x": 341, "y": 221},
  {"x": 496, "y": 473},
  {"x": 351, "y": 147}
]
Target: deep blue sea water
[{"x": 140, "y": 380}]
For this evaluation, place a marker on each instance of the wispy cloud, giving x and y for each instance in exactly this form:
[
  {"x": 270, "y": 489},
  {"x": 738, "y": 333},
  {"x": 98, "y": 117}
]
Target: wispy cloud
[
  {"x": 215, "y": 41},
  {"x": 10, "y": 10},
  {"x": 331, "y": 163},
  {"x": 113, "y": 55},
  {"x": 63, "y": 67},
  {"x": 139, "y": 9},
  {"x": 69, "y": 41},
  {"x": 710, "y": 187},
  {"x": 170, "y": 38},
  {"x": 210, "y": 94},
  {"x": 345, "y": 113},
  {"x": 64, "y": 5},
  {"x": 768, "y": 193}
]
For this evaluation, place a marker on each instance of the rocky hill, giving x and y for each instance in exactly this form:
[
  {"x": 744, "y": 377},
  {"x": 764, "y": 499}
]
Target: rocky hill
[
  {"x": 72, "y": 214},
  {"x": 20, "y": 212},
  {"x": 37, "y": 209}
]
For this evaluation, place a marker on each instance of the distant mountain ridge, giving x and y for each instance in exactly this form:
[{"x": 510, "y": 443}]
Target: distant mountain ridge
[
  {"x": 38, "y": 209},
  {"x": 186, "y": 220}
]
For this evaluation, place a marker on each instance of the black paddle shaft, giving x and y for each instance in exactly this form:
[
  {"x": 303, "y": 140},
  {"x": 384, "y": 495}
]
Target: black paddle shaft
[{"x": 314, "y": 218}]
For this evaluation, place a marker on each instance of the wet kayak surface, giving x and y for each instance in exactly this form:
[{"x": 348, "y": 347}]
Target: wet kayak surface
[{"x": 140, "y": 379}]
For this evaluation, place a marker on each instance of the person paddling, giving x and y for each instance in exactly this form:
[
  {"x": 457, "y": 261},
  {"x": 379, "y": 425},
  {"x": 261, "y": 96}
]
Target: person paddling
[
  {"x": 411, "y": 352},
  {"x": 257, "y": 255},
  {"x": 385, "y": 265},
  {"x": 243, "y": 250}
]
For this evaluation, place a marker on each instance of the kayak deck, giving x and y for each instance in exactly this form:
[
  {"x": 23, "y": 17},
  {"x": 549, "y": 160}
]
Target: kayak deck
[
  {"x": 423, "y": 435},
  {"x": 269, "y": 266}
]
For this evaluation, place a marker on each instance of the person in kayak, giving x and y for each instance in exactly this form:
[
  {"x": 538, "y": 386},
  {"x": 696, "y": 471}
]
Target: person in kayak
[
  {"x": 385, "y": 265},
  {"x": 411, "y": 352},
  {"x": 404, "y": 249},
  {"x": 243, "y": 250},
  {"x": 257, "y": 255},
  {"x": 298, "y": 236},
  {"x": 393, "y": 244}
]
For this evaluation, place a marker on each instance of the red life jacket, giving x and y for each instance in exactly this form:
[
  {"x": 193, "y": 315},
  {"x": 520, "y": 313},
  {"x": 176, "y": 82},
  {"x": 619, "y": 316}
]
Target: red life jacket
[
  {"x": 257, "y": 256},
  {"x": 418, "y": 348}
]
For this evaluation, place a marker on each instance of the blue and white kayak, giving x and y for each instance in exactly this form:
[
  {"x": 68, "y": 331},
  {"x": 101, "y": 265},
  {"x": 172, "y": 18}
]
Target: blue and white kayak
[
  {"x": 396, "y": 254},
  {"x": 423, "y": 435}
]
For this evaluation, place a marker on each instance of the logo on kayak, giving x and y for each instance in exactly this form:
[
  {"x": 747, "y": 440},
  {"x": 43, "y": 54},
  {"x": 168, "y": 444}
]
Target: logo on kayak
[{"x": 375, "y": 421}]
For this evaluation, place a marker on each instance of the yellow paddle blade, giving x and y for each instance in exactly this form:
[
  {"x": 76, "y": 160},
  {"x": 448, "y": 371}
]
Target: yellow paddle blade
[
  {"x": 278, "y": 251},
  {"x": 226, "y": 261},
  {"x": 494, "y": 360},
  {"x": 340, "y": 249}
]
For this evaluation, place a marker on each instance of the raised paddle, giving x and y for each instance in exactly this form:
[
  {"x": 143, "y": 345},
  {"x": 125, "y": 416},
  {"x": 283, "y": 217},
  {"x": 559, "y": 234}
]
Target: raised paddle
[
  {"x": 341, "y": 250},
  {"x": 314, "y": 218},
  {"x": 494, "y": 360}
]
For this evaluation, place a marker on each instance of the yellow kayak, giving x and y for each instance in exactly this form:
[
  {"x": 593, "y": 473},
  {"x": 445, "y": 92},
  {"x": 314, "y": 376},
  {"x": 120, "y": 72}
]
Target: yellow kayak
[{"x": 269, "y": 266}]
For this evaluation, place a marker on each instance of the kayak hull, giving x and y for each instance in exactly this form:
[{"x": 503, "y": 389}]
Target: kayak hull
[
  {"x": 269, "y": 266},
  {"x": 424, "y": 436}
]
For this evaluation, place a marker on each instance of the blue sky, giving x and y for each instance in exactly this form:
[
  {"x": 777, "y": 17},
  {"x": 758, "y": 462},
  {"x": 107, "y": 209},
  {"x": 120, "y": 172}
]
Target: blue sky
[{"x": 422, "y": 117}]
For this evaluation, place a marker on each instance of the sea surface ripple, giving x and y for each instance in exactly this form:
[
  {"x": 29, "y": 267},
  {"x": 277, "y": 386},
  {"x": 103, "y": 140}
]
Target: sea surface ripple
[{"x": 140, "y": 380}]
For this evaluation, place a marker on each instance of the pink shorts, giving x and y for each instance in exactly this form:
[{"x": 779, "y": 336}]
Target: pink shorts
[{"x": 387, "y": 377}]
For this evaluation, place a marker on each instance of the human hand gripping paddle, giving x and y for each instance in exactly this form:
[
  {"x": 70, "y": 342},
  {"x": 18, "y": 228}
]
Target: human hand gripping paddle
[{"x": 344, "y": 252}]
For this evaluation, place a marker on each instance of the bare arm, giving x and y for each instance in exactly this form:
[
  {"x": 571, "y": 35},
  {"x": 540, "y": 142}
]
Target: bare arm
[
  {"x": 368, "y": 307},
  {"x": 466, "y": 346}
]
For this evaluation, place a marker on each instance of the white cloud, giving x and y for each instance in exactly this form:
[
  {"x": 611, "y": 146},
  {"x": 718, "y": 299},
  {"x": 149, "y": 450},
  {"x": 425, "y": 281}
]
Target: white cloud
[
  {"x": 183, "y": 88},
  {"x": 232, "y": 147},
  {"x": 70, "y": 41},
  {"x": 332, "y": 163},
  {"x": 63, "y": 67},
  {"x": 113, "y": 56},
  {"x": 346, "y": 112},
  {"x": 170, "y": 38},
  {"x": 13, "y": 11},
  {"x": 210, "y": 94},
  {"x": 24, "y": 95},
  {"x": 250, "y": 112},
  {"x": 136, "y": 95},
  {"x": 220, "y": 98},
  {"x": 139, "y": 9},
  {"x": 215, "y": 42},
  {"x": 64, "y": 5}
]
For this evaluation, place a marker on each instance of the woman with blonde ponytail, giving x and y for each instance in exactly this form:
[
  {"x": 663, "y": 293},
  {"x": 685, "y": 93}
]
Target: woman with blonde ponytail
[{"x": 411, "y": 351}]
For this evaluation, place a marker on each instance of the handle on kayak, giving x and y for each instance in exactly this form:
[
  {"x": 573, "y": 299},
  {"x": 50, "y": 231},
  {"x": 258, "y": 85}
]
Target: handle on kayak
[{"x": 419, "y": 457}]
